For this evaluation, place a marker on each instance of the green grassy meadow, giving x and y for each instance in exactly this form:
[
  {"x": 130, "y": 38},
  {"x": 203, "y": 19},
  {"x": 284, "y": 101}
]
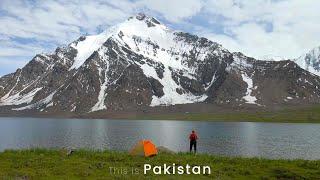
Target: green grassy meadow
[{"x": 86, "y": 164}]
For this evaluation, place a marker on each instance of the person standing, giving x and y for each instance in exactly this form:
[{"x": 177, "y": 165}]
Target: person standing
[{"x": 193, "y": 141}]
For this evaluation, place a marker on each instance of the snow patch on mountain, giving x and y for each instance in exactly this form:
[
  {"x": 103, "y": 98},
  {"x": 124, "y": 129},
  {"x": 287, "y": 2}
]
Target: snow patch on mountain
[
  {"x": 211, "y": 83},
  {"x": 170, "y": 87},
  {"x": 102, "y": 93},
  {"x": 8, "y": 94},
  {"x": 239, "y": 62},
  {"x": 92, "y": 43},
  {"x": 46, "y": 101},
  {"x": 18, "y": 99},
  {"x": 101, "y": 97},
  {"x": 250, "y": 99}
]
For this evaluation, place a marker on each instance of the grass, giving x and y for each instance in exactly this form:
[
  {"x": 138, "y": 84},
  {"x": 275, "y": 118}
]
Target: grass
[
  {"x": 292, "y": 115},
  {"x": 85, "y": 164}
]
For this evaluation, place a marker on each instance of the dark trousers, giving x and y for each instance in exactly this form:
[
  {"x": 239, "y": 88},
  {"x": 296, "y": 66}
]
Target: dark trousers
[{"x": 193, "y": 143}]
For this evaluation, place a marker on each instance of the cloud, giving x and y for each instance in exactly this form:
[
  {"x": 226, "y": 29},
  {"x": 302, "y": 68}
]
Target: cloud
[
  {"x": 31, "y": 27},
  {"x": 10, "y": 65},
  {"x": 278, "y": 28},
  {"x": 57, "y": 21},
  {"x": 173, "y": 10}
]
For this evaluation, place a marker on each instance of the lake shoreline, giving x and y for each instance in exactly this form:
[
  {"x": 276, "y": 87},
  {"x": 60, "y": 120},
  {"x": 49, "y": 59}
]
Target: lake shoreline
[
  {"x": 207, "y": 113},
  {"x": 155, "y": 119},
  {"x": 49, "y": 163}
]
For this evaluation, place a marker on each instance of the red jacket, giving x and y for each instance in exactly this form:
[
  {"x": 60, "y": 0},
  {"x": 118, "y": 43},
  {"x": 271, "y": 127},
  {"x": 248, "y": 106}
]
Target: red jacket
[{"x": 193, "y": 137}]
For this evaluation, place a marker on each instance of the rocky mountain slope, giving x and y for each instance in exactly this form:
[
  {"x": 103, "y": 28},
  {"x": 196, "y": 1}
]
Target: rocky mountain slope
[{"x": 141, "y": 63}]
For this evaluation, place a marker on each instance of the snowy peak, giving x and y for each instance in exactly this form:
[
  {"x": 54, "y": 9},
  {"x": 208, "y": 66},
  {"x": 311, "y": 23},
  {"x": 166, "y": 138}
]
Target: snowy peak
[
  {"x": 139, "y": 26},
  {"x": 310, "y": 61},
  {"x": 150, "y": 21},
  {"x": 146, "y": 36}
]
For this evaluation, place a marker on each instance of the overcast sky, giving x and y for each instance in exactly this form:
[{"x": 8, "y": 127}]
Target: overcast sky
[{"x": 258, "y": 28}]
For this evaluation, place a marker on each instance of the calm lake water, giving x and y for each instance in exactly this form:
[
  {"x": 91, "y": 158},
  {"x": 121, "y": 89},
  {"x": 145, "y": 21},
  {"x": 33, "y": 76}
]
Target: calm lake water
[{"x": 270, "y": 140}]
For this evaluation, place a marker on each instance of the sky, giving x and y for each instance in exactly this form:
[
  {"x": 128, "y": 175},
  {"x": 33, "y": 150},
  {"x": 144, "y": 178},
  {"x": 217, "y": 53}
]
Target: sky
[{"x": 259, "y": 28}]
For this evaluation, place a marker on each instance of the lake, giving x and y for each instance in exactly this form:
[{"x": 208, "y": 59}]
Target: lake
[{"x": 248, "y": 139}]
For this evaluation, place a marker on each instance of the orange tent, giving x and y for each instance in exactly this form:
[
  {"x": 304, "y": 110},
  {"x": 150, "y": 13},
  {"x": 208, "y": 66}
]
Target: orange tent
[{"x": 144, "y": 148}]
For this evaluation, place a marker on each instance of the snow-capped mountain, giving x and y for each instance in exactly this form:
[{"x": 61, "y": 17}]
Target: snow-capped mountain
[
  {"x": 141, "y": 63},
  {"x": 310, "y": 61}
]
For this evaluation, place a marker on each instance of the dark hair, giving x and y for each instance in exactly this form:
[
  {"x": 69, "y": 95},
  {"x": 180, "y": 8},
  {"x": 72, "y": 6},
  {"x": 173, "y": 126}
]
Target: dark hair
[{"x": 193, "y": 131}]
